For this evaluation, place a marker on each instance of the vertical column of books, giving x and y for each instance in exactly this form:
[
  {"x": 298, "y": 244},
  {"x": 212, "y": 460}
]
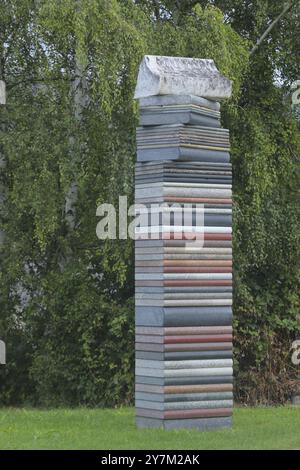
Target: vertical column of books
[{"x": 183, "y": 285}]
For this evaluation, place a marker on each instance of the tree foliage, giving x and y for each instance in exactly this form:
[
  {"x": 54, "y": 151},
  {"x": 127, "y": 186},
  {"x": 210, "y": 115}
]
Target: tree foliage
[{"x": 66, "y": 298}]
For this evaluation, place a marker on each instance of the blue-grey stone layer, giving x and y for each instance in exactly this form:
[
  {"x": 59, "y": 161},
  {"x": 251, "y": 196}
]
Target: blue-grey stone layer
[
  {"x": 188, "y": 118},
  {"x": 183, "y": 405},
  {"x": 183, "y": 153},
  {"x": 193, "y": 316},
  {"x": 183, "y": 397},
  {"x": 162, "y": 356},
  {"x": 221, "y": 379},
  {"x": 201, "y": 424}
]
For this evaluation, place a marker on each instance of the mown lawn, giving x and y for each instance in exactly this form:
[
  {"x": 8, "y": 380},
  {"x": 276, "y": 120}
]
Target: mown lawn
[{"x": 254, "y": 428}]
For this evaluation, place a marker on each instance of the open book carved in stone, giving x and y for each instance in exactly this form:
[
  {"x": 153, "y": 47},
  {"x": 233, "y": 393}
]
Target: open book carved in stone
[{"x": 160, "y": 75}]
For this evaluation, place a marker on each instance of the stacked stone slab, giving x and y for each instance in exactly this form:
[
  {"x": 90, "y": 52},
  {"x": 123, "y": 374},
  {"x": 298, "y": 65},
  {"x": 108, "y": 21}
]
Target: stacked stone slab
[{"x": 183, "y": 287}]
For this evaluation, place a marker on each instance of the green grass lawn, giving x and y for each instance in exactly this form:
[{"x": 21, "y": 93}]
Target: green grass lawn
[{"x": 254, "y": 428}]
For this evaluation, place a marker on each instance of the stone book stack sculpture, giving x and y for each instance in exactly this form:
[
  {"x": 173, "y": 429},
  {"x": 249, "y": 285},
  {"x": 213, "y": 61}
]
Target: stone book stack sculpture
[{"x": 183, "y": 284}]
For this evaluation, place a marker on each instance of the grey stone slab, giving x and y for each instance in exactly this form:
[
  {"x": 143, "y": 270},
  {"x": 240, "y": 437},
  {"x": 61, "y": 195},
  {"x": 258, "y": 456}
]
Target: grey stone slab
[
  {"x": 160, "y": 381},
  {"x": 184, "y": 312},
  {"x": 188, "y": 310},
  {"x": 177, "y": 397},
  {"x": 147, "y": 303},
  {"x": 183, "y": 405},
  {"x": 156, "y": 397},
  {"x": 186, "y": 132},
  {"x": 218, "y": 243},
  {"x": 148, "y": 263},
  {"x": 151, "y": 296},
  {"x": 151, "y": 347},
  {"x": 191, "y": 118},
  {"x": 202, "y": 179},
  {"x": 145, "y": 290},
  {"x": 193, "y": 303},
  {"x": 210, "y": 220},
  {"x": 182, "y": 153},
  {"x": 193, "y": 355},
  {"x": 194, "y": 397},
  {"x": 175, "y": 100},
  {"x": 180, "y": 109},
  {"x": 150, "y": 331},
  {"x": 150, "y": 423},
  {"x": 149, "y": 380},
  {"x": 218, "y": 220},
  {"x": 195, "y": 256},
  {"x": 201, "y": 424},
  {"x": 181, "y": 348},
  {"x": 194, "y": 296},
  {"x": 150, "y": 405},
  {"x": 158, "y": 318},
  {"x": 182, "y": 166},
  {"x": 149, "y": 339},
  {"x": 147, "y": 413},
  {"x": 173, "y": 356},
  {"x": 179, "y": 185},
  {"x": 148, "y": 364},
  {"x": 152, "y": 243},
  {"x": 184, "y": 169},
  {"x": 149, "y": 388},
  {"x": 157, "y": 356},
  {"x": 198, "y": 319},
  {"x": 178, "y": 173},
  {"x": 221, "y": 379},
  {"x": 172, "y": 191},
  {"x": 149, "y": 269},
  {"x": 199, "y": 289},
  {"x": 145, "y": 316},
  {"x": 148, "y": 249},
  {"x": 183, "y": 397},
  {"x": 194, "y": 405},
  {"x": 192, "y": 364},
  {"x": 188, "y": 373}
]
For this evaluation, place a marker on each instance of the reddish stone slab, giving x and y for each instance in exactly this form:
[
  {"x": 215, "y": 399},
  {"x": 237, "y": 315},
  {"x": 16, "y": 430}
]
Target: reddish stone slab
[
  {"x": 198, "y": 330},
  {"x": 183, "y": 414},
  {"x": 198, "y": 347},
  {"x": 197, "y": 388},
  {"x": 205, "y": 413},
  {"x": 198, "y": 339}
]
